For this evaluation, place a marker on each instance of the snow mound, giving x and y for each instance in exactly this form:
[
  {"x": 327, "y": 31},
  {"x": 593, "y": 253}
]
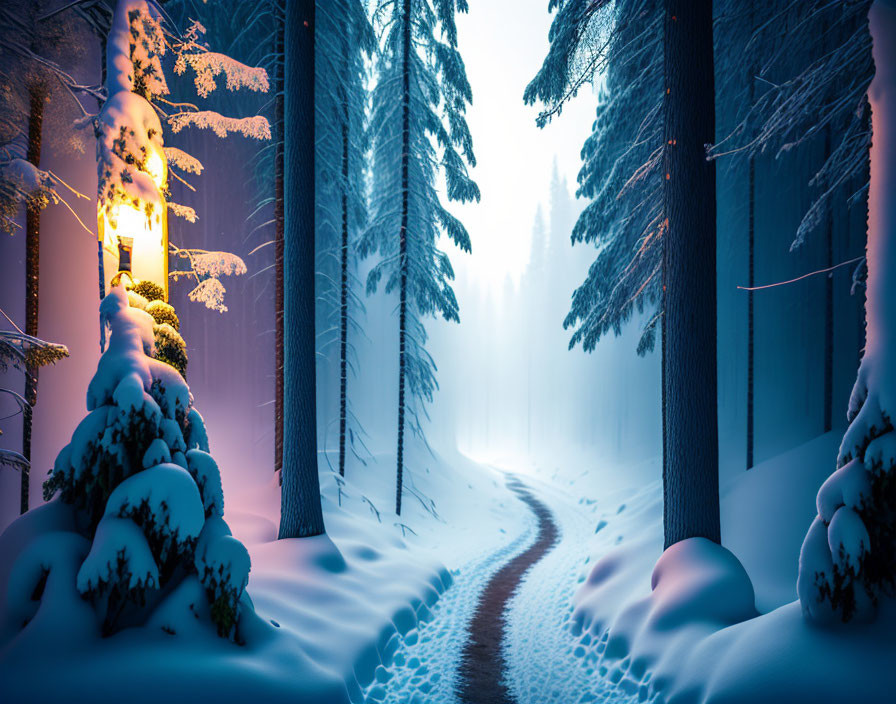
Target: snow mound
[{"x": 697, "y": 580}]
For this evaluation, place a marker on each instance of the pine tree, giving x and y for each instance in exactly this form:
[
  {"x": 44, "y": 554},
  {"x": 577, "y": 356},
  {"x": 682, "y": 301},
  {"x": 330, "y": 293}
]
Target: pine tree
[
  {"x": 652, "y": 213},
  {"x": 30, "y": 80},
  {"x": 421, "y": 74},
  {"x": 345, "y": 39},
  {"x": 621, "y": 171},
  {"x": 847, "y": 560}
]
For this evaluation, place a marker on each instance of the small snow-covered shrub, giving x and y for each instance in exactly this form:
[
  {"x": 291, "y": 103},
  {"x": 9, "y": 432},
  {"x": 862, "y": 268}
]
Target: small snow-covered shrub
[
  {"x": 848, "y": 558},
  {"x": 145, "y": 491},
  {"x": 171, "y": 348},
  {"x": 163, "y": 313}
]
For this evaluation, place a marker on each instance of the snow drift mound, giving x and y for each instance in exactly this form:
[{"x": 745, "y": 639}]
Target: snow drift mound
[
  {"x": 135, "y": 534},
  {"x": 697, "y": 588}
]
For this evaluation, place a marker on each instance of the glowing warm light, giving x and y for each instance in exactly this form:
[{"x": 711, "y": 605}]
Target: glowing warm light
[{"x": 145, "y": 237}]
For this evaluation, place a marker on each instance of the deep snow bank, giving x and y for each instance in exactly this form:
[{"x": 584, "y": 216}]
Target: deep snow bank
[{"x": 682, "y": 626}]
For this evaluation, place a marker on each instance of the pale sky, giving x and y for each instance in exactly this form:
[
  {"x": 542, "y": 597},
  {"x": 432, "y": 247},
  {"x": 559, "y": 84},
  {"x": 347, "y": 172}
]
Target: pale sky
[{"x": 503, "y": 43}]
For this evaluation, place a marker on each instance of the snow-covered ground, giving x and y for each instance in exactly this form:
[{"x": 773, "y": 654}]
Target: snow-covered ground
[
  {"x": 697, "y": 637},
  {"x": 377, "y": 609},
  {"x": 332, "y": 610}
]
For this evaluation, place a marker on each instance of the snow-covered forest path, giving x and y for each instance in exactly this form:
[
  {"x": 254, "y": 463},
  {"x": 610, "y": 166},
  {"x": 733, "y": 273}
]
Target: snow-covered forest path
[
  {"x": 501, "y": 633},
  {"x": 483, "y": 674}
]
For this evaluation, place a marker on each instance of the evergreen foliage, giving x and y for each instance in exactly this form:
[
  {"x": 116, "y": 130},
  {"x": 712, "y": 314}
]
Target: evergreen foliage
[
  {"x": 419, "y": 134},
  {"x": 344, "y": 41},
  {"x": 145, "y": 491},
  {"x": 621, "y": 172}
]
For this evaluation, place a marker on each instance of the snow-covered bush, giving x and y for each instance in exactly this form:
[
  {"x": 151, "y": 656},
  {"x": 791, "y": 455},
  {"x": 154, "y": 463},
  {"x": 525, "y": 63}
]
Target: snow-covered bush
[
  {"x": 847, "y": 561},
  {"x": 145, "y": 492}
]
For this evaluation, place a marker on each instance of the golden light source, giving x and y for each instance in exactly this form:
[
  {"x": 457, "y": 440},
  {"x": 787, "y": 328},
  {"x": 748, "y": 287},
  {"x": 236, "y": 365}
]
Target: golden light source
[{"x": 136, "y": 246}]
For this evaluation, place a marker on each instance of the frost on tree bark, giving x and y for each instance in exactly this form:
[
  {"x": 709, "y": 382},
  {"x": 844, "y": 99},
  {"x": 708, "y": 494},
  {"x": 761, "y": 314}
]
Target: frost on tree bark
[
  {"x": 403, "y": 246},
  {"x": 690, "y": 462},
  {"x": 32, "y": 284},
  {"x": 301, "y": 513}
]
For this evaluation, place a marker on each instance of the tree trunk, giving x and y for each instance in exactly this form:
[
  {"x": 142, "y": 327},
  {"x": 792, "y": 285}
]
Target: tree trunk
[
  {"x": 32, "y": 283},
  {"x": 751, "y": 277},
  {"x": 343, "y": 285},
  {"x": 403, "y": 244},
  {"x": 751, "y": 311},
  {"x": 690, "y": 462},
  {"x": 279, "y": 64},
  {"x": 301, "y": 513},
  {"x": 101, "y": 269},
  {"x": 828, "y": 411}
]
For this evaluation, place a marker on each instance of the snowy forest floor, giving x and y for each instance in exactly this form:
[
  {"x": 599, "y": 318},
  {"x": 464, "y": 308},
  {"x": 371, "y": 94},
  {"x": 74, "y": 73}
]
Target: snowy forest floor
[{"x": 380, "y": 609}]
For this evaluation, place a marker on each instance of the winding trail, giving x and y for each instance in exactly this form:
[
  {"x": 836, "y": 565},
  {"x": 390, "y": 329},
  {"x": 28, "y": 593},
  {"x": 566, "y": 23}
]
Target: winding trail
[{"x": 482, "y": 671}]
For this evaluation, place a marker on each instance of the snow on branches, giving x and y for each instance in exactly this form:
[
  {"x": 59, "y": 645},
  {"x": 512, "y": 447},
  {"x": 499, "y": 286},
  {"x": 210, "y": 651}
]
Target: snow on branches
[
  {"x": 255, "y": 127},
  {"x": 132, "y": 159}
]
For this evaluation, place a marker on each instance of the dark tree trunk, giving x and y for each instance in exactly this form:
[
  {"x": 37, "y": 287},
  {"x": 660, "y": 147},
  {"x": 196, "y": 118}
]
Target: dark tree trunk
[
  {"x": 32, "y": 283},
  {"x": 751, "y": 276},
  {"x": 343, "y": 290},
  {"x": 828, "y": 420},
  {"x": 751, "y": 309},
  {"x": 279, "y": 64},
  {"x": 403, "y": 244},
  {"x": 690, "y": 462},
  {"x": 301, "y": 513},
  {"x": 101, "y": 269}
]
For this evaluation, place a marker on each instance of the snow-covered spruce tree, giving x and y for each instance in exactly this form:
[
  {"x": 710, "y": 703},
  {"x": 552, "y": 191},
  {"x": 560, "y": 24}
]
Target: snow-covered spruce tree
[
  {"x": 129, "y": 131},
  {"x": 145, "y": 542},
  {"x": 419, "y": 102},
  {"x": 621, "y": 170},
  {"x": 343, "y": 40},
  {"x": 848, "y": 559}
]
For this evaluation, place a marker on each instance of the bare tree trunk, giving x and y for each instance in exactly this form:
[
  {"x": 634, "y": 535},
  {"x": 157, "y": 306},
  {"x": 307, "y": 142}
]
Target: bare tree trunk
[
  {"x": 343, "y": 284},
  {"x": 828, "y": 418},
  {"x": 300, "y": 513},
  {"x": 690, "y": 462},
  {"x": 403, "y": 245},
  {"x": 279, "y": 64},
  {"x": 32, "y": 283}
]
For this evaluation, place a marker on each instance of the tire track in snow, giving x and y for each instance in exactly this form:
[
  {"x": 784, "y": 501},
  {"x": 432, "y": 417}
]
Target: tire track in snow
[{"x": 483, "y": 667}]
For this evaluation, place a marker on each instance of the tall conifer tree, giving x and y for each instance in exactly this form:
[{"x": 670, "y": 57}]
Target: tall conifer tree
[{"x": 420, "y": 132}]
